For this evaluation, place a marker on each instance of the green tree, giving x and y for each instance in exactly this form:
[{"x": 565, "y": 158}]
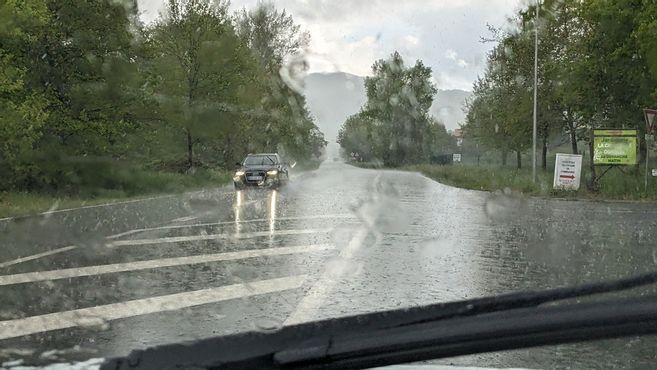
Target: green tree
[
  {"x": 394, "y": 125},
  {"x": 277, "y": 43},
  {"x": 81, "y": 85},
  {"x": 205, "y": 80},
  {"x": 272, "y": 35},
  {"x": 500, "y": 112},
  {"x": 399, "y": 98},
  {"x": 358, "y": 135},
  {"x": 23, "y": 111}
]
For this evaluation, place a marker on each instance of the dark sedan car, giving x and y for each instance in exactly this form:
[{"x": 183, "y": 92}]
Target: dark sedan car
[{"x": 265, "y": 170}]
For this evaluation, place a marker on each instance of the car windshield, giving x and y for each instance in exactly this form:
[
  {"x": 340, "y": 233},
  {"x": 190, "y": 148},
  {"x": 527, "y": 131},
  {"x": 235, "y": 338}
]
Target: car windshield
[
  {"x": 260, "y": 160},
  {"x": 433, "y": 151}
]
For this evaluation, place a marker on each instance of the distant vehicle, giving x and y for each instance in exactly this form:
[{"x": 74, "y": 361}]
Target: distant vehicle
[{"x": 264, "y": 170}]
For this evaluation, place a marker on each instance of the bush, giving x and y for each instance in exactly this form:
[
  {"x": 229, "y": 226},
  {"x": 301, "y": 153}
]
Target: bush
[{"x": 94, "y": 177}]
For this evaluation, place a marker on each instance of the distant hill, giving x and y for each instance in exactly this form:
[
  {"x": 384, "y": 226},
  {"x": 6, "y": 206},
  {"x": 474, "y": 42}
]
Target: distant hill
[{"x": 332, "y": 97}]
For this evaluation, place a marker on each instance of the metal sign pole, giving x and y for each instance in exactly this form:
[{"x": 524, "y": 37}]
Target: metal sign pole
[
  {"x": 645, "y": 182},
  {"x": 649, "y": 115},
  {"x": 535, "y": 93}
]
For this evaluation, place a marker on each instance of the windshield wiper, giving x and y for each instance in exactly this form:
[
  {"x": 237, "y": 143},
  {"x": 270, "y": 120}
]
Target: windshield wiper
[{"x": 509, "y": 321}]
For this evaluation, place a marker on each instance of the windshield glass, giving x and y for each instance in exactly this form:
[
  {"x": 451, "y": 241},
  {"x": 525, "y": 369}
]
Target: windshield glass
[
  {"x": 433, "y": 151},
  {"x": 260, "y": 160}
]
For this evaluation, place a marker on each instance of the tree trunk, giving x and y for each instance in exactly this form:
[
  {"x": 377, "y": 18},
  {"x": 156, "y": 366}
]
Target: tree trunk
[
  {"x": 519, "y": 159},
  {"x": 190, "y": 156},
  {"x": 544, "y": 155},
  {"x": 504, "y": 154},
  {"x": 573, "y": 138},
  {"x": 592, "y": 182},
  {"x": 571, "y": 129}
]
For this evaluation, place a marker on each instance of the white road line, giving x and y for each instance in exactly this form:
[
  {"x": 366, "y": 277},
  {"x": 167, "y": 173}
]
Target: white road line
[
  {"x": 166, "y": 240},
  {"x": 184, "y": 219},
  {"x": 87, "y": 207},
  {"x": 31, "y": 277},
  {"x": 315, "y": 298},
  {"x": 35, "y": 256},
  {"x": 100, "y": 314},
  {"x": 317, "y": 295},
  {"x": 169, "y": 227},
  {"x": 179, "y": 239}
]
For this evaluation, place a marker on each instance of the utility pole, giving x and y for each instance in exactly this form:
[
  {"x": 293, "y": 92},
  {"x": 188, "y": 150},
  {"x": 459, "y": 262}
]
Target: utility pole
[{"x": 535, "y": 93}]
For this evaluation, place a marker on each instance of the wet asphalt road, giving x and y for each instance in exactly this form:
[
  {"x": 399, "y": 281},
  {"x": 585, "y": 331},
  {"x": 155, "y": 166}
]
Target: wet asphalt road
[{"x": 101, "y": 281}]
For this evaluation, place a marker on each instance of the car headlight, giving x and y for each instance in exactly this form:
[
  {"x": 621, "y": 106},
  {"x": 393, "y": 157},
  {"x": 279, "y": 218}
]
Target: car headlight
[
  {"x": 272, "y": 172},
  {"x": 239, "y": 173}
]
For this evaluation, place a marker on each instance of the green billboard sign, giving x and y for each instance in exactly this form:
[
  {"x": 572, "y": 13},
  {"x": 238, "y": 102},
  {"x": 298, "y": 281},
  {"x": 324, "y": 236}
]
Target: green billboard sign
[{"x": 614, "y": 147}]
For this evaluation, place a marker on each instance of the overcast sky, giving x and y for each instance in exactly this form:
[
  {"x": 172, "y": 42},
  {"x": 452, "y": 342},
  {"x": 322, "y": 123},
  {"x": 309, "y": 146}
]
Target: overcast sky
[{"x": 349, "y": 35}]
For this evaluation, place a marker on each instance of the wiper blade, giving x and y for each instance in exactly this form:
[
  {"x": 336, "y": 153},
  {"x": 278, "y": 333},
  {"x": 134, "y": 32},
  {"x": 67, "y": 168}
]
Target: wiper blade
[
  {"x": 500, "y": 322},
  {"x": 468, "y": 335}
]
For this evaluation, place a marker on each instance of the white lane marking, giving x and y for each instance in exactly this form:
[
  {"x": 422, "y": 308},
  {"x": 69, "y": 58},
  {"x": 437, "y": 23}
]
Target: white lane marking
[
  {"x": 99, "y": 314},
  {"x": 36, "y": 256},
  {"x": 166, "y": 240},
  {"x": 31, "y": 277},
  {"x": 179, "y": 239},
  {"x": 314, "y": 299},
  {"x": 169, "y": 227},
  {"x": 184, "y": 219},
  {"x": 87, "y": 207}
]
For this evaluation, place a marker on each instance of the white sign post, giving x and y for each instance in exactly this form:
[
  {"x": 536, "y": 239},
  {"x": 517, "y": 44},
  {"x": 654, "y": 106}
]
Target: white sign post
[{"x": 567, "y": 171}]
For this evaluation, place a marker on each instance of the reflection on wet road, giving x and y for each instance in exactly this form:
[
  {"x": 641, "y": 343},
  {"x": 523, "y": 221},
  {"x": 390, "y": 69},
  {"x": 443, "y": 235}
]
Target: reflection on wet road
[{"x": 337, "y": 241}]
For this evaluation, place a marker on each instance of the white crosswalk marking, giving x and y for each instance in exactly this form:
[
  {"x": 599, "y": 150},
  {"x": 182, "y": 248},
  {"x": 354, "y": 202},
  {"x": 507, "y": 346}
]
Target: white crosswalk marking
[
  {"x": 179, "y": 239},
  {"x": 188, "y": 226},
  {"x": 323, "y": 288},
  {"x": 184, "y": 219},
  {"x": 36, "y": 256},
  {"x": 31, "y": 277},
  {"x": 114, "y": 311}
]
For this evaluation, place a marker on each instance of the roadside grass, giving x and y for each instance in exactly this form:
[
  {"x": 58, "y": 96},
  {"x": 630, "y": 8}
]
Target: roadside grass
[
  {"x": 116, "y": 184},
  {"x": 486, "y": 178},
  {"x": 615, "y": 185},
  {"x": 627, "y": 184},
  {"x": 121, "y": 186}
]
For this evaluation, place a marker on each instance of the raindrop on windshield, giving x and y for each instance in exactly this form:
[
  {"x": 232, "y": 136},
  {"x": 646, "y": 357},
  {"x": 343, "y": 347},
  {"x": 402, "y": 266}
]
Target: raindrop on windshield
[
  {"x": 505, "y": 205},
  {"x": 341, "y": 268},
  {"x": 267, "y": 324},
  {"x": 92, "y": 322}
]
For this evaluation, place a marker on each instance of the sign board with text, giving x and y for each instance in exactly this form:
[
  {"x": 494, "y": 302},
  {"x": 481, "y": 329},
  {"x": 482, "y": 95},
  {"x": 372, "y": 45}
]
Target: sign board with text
[
  {"x": 456, "y": 158},
  {"x": 614, "y": 147},
  {"x": 567, "y": 171}
]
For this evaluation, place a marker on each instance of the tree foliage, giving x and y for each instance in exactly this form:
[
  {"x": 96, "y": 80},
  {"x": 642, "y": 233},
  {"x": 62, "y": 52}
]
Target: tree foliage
[
  {"x": 277, "y": 44},
  {"x": 84, "y": 86},
  {"x": 394, "y": 125},
  {"x": 596, "y": 69}
]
